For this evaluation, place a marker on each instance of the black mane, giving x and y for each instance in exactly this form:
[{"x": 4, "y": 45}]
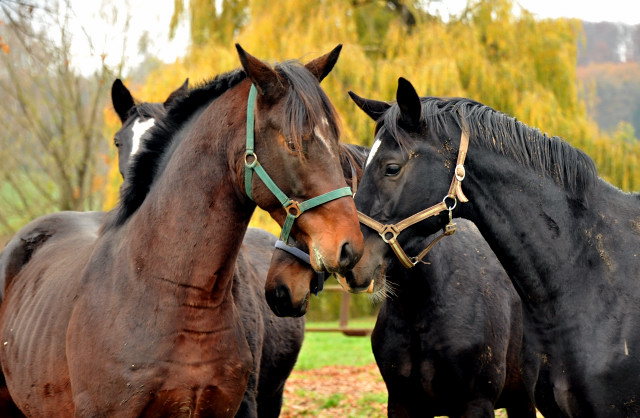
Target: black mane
[
  {"x": 353, "y": 158},
  {"x": 147, "y": 163},
  {"x": 147, "y": 110},
  {"x": 568, "y": 166}
]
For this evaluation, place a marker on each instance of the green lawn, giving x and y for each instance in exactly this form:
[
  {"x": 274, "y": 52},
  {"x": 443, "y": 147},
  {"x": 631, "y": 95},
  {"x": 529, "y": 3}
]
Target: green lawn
[{"x": 334, "y": 348}]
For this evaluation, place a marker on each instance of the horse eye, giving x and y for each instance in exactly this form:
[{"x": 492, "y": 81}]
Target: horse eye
[
  {"x": 392, "y": 170},
  {"x": 291, "y": 145},
  {"x": 117, "y": 143}
]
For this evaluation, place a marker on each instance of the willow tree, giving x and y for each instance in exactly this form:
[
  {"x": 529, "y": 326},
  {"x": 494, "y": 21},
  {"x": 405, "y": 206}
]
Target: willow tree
[{"x": 510, "y": 61}]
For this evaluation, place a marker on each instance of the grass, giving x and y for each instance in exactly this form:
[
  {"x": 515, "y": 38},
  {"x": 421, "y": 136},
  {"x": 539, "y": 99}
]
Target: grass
[{"x": 334, "y": 348}]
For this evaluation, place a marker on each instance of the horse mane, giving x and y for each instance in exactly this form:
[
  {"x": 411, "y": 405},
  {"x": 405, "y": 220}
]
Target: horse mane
[
  {"x": 353, "y": 158},
  {"x": 568, "y": 166},
  {"x": 306, "y": 105},
  {"x": 149, "y": 162},
  {"x": 147, "y": 110}
]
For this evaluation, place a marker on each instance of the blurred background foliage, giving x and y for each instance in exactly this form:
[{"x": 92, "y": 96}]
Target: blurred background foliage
[{"x": 510, "y": 61}]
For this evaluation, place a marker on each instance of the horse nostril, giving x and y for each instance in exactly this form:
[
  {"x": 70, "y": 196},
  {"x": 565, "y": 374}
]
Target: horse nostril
[
  {"x": 282, "y": 294},
  {"x": 348, "y": 257}
]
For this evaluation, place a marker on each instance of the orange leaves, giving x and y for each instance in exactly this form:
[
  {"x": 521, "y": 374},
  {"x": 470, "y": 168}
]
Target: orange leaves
[{"x": 4, "y": 46}]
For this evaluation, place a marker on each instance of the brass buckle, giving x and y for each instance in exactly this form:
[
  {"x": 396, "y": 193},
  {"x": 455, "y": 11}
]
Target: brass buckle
[
  {"x": 293, "y": 209},
  {"x": 389, "y": 229}
]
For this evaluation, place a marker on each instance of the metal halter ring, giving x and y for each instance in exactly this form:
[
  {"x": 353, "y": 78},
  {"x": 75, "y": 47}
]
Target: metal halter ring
[
  {"x": 252, "y": 163},
  {"x": 293, "y": 209},
  {"x": 455, "y": 202},
  {"x": 389, "y": 229}
]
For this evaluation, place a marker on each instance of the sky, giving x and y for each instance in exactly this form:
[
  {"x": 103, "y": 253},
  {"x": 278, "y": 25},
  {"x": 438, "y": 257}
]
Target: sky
[
  {"x": 624, "y": 11},
  {"x": 154, "y": 16}
]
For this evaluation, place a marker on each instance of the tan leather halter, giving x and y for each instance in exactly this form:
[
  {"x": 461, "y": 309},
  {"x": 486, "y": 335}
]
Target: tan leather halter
[{"x": 389, "y": 233}]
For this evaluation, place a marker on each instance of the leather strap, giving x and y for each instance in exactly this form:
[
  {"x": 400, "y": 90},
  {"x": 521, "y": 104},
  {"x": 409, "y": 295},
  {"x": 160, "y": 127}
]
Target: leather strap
[{"x": 389, "y": 233}]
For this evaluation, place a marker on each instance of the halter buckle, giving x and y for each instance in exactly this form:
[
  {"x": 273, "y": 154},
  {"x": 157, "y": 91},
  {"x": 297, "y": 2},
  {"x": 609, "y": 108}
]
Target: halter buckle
[
  {"x": 293, "y": 208},
  {"x": 389, "y": 229},
  {"x": 455, "y": 203},
  {"x": 253, "y": 163},
  {"x": 460, "y": 172},
  {"x": 450, "y": 228}
]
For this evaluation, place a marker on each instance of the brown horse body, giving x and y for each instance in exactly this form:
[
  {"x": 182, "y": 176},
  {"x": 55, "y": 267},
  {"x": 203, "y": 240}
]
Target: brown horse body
[{"x": 140, "y": 320}]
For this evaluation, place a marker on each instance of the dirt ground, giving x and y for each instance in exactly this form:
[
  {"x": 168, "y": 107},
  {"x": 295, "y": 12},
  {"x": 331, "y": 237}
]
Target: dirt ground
[
  {"x": 339, "y": 392},
  {"x": 335, "y": 391}
]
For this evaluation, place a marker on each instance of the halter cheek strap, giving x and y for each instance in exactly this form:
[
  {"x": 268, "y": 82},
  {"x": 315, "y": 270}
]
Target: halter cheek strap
[
  {"x": 389, "y": 233},
  {"x": 292, "y": 207}
]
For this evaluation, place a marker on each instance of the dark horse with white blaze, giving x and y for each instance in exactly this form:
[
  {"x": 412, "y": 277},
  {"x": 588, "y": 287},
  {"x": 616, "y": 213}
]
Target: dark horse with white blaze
[
  {"x": 139, "y": 320},
  {"x": 566, "y": 238},
  {"x": 448, "y": 339}
]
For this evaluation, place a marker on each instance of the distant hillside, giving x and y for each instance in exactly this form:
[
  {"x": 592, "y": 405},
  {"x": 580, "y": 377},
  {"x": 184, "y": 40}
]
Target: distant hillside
[{"x": 609, "y": 68}]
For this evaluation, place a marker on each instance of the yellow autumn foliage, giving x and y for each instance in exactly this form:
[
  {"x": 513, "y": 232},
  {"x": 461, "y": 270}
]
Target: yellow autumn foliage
[{"x": 514, "y": 63}]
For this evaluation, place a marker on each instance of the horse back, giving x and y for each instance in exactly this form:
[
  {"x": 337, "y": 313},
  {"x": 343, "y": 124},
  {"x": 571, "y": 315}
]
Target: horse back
[
  {"x": 22, "y": 246},
  {"x": 34, "y": 315}
]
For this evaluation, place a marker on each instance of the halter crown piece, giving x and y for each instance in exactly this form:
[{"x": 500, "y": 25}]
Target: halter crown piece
[
  {"x": 389, "y": 233},
  {"x": 292, "y": 207}
]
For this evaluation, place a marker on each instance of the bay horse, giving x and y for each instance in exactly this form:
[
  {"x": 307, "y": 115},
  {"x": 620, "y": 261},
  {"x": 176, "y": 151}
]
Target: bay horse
[
  {"x": 159, "y": 270},
  {"x": 448, "y": 339},
  {"x": 291, "y": 279},
  {"x": 275, "y": 342},
  {"x": 565, "y": 237}
]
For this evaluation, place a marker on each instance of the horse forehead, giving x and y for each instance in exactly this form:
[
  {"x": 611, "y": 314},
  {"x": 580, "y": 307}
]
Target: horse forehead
[
  {"x": 374, "y": 150},
  {"x": 321, "y": 133},
  {"x": 139, "y": 128}
]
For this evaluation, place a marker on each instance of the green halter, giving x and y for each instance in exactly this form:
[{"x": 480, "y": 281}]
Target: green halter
[{"x": 293, "y": 208}]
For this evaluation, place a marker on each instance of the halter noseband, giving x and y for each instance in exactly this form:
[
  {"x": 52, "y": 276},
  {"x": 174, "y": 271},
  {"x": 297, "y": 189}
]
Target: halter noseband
[
  {"x": 389, "y": 233},
  {"x": 292, "y": 207}
]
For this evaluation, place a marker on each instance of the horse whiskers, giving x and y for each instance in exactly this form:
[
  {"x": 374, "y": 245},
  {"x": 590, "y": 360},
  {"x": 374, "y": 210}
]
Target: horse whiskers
[{"x": 388, "y": 289}]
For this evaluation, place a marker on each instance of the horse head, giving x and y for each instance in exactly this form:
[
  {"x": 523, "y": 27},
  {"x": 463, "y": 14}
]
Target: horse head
[
  {"x": 291, "y": 278},
  {"x": 136, "y": 119},
  {"x": 294, "y": 131},
  {"x": 390, "y": 199}
]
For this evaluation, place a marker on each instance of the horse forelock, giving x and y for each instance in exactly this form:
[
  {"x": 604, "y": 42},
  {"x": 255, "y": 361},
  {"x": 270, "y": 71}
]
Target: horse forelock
[
  {"x": 152, "y": 157},
  {"x": 353, "y": 159},
  {"x": 307, "y": 107},
  {"x": 568, "y": 166}
]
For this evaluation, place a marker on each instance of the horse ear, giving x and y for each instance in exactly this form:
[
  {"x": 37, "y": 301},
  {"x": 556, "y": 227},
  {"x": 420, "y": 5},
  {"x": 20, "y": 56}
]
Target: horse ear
[
  {"x": 322, "y": 66},
  {"x": 374, "y": 108},
  {"x": 179, "y": 92},
  {"x": 408, "y": 102},
  {"x": 260, "y": 74},
  {"x": 121, "y": 99}
]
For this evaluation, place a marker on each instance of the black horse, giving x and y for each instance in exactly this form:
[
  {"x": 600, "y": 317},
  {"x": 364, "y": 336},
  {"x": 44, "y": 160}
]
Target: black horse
[
  {"x": 448, "y": 338},
  {"x": 274, "y": 342},
  {"x": 566, "y": 238}
]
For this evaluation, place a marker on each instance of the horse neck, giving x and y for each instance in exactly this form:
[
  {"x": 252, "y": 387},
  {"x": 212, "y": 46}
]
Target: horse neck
[
  {"x": 532, "y": 224},
  {"x": 190, "y": 227}
]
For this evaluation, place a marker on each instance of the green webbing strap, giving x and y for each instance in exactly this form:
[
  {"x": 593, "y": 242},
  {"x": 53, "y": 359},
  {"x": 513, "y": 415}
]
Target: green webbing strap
[
  {"x": 295, "y": 209},
  {"x": 251, "y": 164}
]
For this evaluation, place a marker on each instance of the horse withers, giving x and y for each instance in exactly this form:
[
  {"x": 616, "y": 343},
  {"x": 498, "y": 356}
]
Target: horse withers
[
  {"x": 160, "y": 270},
  {"x": 565, "y": 237}
]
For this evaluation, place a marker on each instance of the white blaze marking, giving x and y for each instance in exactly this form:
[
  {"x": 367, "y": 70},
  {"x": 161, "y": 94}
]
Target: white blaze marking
[
  {"x": 318, "y": 134},
  {"x": 139, "y": 129},
  {"x": 373, "y": 151}
]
